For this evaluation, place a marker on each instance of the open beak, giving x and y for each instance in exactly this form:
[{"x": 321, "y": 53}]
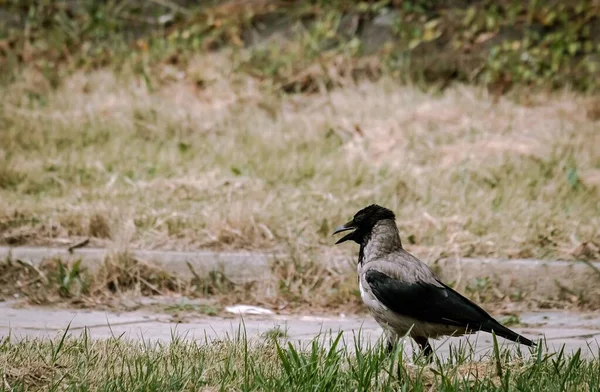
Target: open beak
[{"x": 344, "y": 227}]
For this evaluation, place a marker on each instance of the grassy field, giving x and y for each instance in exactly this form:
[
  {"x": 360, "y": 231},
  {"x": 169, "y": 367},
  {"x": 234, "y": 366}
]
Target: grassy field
[
  {"x": 161, "y": 142},
  {"x": 122, "y": 124},
  {"x": 327, "y": 364},
  {"x": 228, "y": 164},
  {"x": 225, "y": 164}
]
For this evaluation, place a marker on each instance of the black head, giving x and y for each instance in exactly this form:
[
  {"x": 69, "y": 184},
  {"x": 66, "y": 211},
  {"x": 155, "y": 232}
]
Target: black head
[{"x": 363, "y": 222}]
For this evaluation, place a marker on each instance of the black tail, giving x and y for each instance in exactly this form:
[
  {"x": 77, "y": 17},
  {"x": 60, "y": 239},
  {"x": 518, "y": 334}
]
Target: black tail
[{"x": 502, "y": 331}]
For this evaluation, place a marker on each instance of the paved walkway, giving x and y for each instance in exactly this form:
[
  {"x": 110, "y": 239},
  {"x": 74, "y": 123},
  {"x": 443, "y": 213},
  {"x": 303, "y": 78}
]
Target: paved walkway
[{"x": 574, "y": 330}]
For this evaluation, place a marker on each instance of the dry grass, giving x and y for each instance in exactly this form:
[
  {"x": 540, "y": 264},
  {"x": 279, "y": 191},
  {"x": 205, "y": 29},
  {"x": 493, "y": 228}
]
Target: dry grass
[
  {"x": 210, "y": 159},
  {"x": 295, "y": 285}
]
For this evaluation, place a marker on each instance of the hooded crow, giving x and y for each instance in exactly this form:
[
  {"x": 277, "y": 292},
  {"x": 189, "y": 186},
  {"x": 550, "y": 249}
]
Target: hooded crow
[{"x": 403, "y": 294}]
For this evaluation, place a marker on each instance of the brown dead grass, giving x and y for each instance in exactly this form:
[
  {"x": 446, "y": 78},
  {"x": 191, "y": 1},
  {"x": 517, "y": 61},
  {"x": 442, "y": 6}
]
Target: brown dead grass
[
  {"x": 224, "y": 164},
  {"x": 295, "y": 285}
]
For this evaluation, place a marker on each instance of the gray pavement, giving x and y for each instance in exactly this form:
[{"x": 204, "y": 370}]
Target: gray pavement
[{"x": 573, "y": 330}]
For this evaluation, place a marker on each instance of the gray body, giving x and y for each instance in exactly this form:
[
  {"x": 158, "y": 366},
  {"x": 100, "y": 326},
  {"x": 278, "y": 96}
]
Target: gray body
[{"x": 384, "y": 253}]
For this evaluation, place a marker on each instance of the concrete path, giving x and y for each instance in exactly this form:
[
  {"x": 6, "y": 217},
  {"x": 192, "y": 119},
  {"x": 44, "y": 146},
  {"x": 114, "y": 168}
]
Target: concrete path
[{"x": 574, "y": 330}]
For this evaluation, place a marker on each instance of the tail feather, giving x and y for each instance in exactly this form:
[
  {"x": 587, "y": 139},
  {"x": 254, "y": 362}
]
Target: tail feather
[{"x": 506, "y": 333}]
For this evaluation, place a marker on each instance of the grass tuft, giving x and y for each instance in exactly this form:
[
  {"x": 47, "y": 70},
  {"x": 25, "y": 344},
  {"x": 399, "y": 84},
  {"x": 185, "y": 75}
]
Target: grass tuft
[{"x": 326, "y": 363}]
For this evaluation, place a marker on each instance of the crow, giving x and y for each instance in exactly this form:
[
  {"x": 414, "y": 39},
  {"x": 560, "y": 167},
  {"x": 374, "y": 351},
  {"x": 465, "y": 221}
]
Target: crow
[{"x": 403, "y": 294}]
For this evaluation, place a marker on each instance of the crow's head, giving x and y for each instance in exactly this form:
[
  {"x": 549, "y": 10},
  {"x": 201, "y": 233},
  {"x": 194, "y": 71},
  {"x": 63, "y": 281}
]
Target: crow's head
[{"x": 363, "y": 222}]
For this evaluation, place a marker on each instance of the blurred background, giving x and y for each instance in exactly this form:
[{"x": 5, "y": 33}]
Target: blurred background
[{"x": 261, "y": 125}]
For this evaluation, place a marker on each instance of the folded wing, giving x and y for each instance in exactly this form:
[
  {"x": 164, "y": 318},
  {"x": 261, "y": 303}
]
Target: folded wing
[{"x": 438, "y": 304}]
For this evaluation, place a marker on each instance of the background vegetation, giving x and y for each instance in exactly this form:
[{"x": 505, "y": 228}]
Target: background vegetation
[{"x": 544, "y": 43}]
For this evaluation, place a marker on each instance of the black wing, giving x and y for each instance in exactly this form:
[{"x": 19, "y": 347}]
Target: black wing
[{"x": 435, "y": 304}]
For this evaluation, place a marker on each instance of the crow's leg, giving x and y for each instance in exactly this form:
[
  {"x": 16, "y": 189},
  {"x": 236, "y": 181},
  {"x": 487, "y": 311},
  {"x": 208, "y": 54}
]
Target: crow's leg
[
  {"x": 391, "y": 340},
  {"x": 389, "y": 346},
  {"x": 426, "y": 349}
]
